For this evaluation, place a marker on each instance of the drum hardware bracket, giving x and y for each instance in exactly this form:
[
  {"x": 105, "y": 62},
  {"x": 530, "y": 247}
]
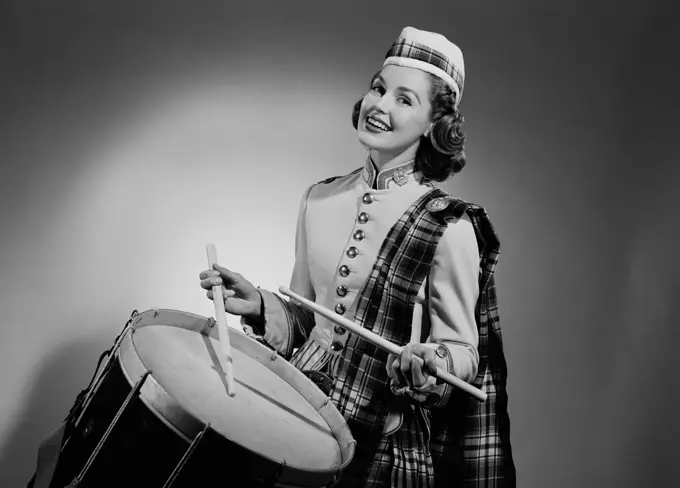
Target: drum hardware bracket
[
  {"x": 211, "y": 322},
  {"x": 128, "y": 401},
  {"x": 190, "y": 450},
  {"x": 274, "y": 478},
  {"x": 336, "y": 476},
  {"x": 274, "y": 356},
  {"x": 155, "y": 312}
]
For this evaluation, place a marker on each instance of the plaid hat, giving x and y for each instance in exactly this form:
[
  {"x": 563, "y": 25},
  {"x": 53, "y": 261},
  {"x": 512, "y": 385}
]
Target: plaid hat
[{"x": 431, "y": 52}]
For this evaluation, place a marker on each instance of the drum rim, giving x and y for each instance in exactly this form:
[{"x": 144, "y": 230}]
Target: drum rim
[{"x": 328, "y": 412}]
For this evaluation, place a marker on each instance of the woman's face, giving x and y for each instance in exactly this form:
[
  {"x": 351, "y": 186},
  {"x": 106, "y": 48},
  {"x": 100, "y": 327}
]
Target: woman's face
[{"x": 396, "y": 111}]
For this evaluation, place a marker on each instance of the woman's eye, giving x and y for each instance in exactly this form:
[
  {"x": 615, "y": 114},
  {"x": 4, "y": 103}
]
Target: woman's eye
[
  {"x": 405, "y": 100},
  {"x": 377, "y": 88}
]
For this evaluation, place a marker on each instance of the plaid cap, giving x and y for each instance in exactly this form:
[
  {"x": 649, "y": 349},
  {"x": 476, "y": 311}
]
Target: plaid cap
[{"x": 430, "y": 52}]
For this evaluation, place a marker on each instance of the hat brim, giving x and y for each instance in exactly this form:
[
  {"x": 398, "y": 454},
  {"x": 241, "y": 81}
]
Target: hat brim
[{"x": 427, "y": 67}]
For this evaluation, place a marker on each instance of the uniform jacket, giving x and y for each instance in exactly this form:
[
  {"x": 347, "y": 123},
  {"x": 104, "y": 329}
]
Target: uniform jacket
[{"x": 413, "y": 288}]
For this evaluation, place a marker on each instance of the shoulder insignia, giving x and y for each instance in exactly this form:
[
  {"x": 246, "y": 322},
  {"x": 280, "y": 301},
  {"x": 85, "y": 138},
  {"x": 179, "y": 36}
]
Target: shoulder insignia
[
  {"x": 438, "y": 204},
  {"x": 447, "y": 207}
]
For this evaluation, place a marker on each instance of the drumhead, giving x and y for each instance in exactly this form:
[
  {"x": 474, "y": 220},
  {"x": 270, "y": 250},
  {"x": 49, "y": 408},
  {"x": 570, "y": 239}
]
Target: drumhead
[{"x": 277, "y": 411}]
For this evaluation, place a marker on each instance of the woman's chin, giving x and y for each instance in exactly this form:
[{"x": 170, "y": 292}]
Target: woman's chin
[{"x": 368, "y": 140}]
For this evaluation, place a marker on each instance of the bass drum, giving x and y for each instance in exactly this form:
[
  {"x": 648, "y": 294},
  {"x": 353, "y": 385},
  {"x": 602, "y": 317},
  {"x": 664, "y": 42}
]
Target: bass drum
[{"x": 158, "y": 415}]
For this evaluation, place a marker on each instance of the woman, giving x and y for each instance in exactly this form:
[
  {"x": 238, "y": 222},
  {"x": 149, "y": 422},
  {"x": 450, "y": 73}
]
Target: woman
[{"x": 383, "y": 246}]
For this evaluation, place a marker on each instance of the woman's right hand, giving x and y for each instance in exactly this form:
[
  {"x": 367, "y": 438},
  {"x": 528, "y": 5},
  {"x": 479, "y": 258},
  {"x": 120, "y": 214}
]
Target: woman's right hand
[{"x": 241, "y": 297}]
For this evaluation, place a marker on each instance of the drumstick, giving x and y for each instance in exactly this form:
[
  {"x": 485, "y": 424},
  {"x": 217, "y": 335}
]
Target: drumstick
[
  {"x": 223, "y": 332},
  {"x": 381, "y": 342}
]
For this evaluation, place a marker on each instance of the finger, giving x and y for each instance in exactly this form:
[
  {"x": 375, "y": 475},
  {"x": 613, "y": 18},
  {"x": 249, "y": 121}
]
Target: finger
[
  {"x": 208, "y": 283},
  {"x": 393, "y": 371},
  {"x": 229, "y": 276},
  {"x": 429, "y": 357},
  {"x": 417, "y": 373},
  {"x": 208, "y": 273},
  {"x": 405, "y": 364},
  {"x": 228, "y": 293},
  {"x": 397, "y": 377},
  {"x": 209, "y": 294},
  {"x": 430, "y": 366}
]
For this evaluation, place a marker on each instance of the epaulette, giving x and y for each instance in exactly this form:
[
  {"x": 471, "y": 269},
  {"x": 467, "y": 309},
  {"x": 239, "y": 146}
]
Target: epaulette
[
  {"x": 447, "y": 207},
  {"x": 328, "y": 180}
]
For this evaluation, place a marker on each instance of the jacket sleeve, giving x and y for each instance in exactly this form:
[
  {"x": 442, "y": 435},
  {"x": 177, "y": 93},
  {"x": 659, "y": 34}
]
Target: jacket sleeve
[
  {"x": 284, "y": 324},
  {"x": 448, "y": 311}
]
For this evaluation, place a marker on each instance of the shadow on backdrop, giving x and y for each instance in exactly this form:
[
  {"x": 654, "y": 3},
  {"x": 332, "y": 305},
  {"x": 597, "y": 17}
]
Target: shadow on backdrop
[{"x": 62, "y": 375}]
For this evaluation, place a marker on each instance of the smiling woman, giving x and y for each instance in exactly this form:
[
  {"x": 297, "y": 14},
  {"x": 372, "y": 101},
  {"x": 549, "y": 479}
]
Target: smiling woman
[
  {"x": 387, "y": 248},
  {"x": 440, "y": 151}
]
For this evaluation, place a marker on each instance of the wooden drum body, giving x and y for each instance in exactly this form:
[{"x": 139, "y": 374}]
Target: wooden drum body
[{"x": 159, "y": 415}]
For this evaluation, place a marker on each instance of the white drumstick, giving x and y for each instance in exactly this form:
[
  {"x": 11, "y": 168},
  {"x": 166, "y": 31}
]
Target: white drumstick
[
  {"x": 223, "y": 332},
  {"x": 381, "y": 342}
]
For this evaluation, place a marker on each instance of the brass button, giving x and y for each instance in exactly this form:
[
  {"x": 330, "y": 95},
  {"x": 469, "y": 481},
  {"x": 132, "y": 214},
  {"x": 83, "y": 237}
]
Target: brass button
[
  {"x": 352, "y": 252},
  {"x": 362, "y": 218},
  {"x": 339, "y": 309},
  {"x": 441, "y": 351},
  {"x": 336, "y": 346},
  {"x": 359, "y": 235},
  {"x": 341, "y": 290},
  {"x": 368, "y": 198},
  {"x": 344, "y": 270},
  {"x": 339, "y": 330}
]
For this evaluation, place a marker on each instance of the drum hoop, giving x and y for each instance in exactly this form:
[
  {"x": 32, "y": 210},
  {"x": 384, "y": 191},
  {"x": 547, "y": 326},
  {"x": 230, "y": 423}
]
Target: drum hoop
[{"x": 156, "y": 398}]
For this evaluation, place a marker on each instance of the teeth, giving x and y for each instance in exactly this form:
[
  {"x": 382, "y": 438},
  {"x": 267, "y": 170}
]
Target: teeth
[{"x": 377, "y": 123}]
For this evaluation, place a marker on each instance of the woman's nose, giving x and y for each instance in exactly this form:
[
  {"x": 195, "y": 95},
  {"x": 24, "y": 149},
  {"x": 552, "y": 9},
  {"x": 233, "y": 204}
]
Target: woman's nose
[{"x": 382, "y": 104}]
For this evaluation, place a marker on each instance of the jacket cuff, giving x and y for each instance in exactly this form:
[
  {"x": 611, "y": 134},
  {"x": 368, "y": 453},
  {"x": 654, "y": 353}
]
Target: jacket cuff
[{"x": 273, "y": 327}]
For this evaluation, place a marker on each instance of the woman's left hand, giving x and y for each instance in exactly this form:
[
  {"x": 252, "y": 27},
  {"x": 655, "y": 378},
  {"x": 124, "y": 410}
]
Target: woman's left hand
[{"x": 405, "y": 370}]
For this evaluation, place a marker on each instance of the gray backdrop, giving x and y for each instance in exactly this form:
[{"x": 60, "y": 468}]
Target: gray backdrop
[{"x": 569, "y": 110}]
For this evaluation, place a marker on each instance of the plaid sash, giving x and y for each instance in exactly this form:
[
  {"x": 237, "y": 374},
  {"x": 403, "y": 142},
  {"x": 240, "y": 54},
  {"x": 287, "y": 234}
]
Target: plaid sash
[{"x": 470, "y": 440}]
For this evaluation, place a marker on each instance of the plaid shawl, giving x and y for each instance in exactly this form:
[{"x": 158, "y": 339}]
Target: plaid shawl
[{"x": 470, "y": 441}]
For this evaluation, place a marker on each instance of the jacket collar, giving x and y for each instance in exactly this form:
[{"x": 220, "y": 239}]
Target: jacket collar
[{"x": 390, "y": 177}]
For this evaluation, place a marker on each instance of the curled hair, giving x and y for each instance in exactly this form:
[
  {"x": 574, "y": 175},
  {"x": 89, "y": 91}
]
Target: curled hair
[{"x": 441, "y": 152}]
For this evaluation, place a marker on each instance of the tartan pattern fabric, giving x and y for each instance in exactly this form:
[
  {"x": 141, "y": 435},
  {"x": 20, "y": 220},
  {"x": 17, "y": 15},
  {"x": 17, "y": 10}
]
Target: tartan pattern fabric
[
  {"x": 385, "y": 306},
  {"x": 471, "y": 440},
  {"x": 397, "y": 455},
  {"x": 414, "y": 50}
]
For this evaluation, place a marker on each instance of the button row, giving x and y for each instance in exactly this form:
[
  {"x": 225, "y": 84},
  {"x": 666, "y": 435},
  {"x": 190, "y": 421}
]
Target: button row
[{"x": 344, "y": 271}]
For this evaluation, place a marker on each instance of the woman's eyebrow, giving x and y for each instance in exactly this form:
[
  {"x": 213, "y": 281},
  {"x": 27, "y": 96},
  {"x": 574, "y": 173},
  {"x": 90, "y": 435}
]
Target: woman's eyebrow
[
  {"x": 407, "y": 89},
  {"x": 401, "y": 88}
]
